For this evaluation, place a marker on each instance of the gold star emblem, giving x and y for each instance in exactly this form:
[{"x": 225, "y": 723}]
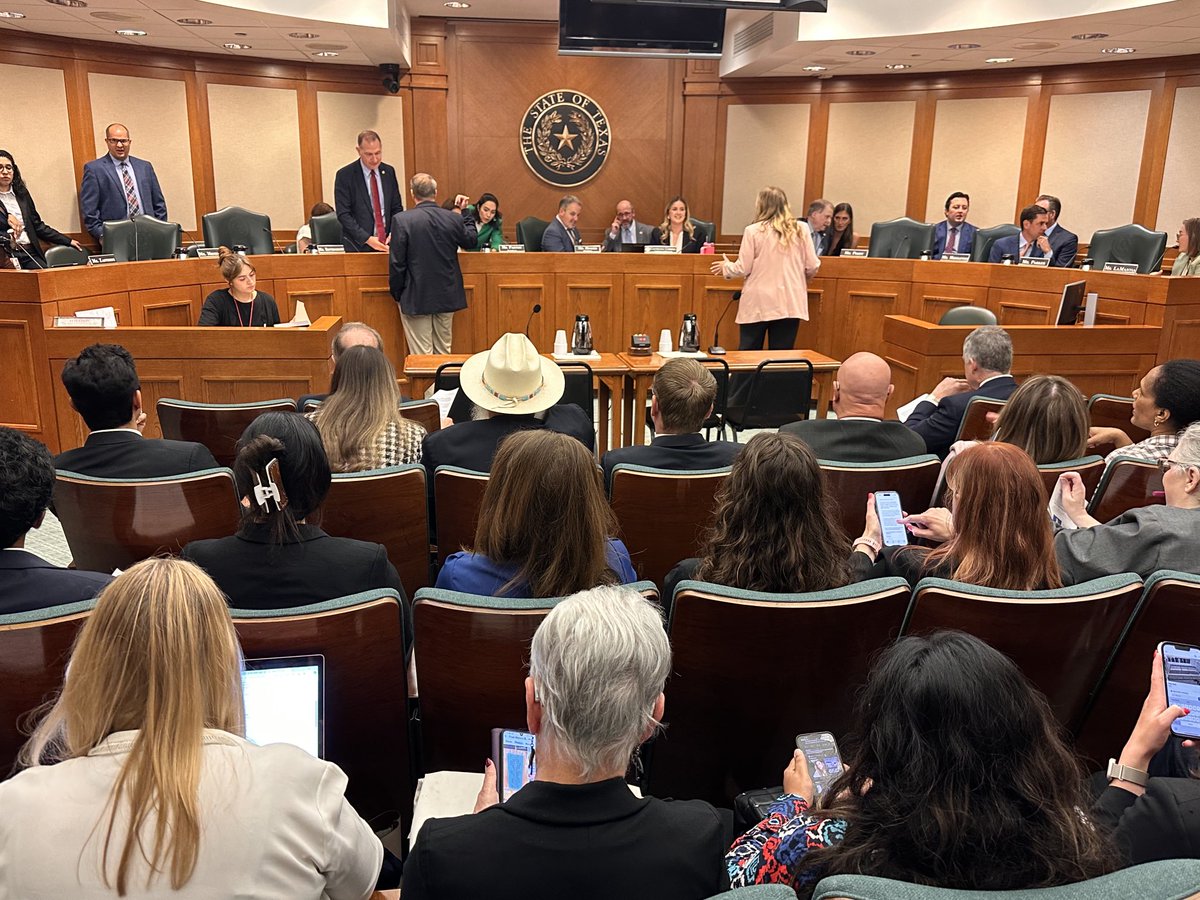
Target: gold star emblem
[{"x": 566, "y": 139}]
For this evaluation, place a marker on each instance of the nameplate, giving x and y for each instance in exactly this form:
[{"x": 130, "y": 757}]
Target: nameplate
[
  {"x": 329, "y": 248},
  {"x": 660, "y": 248},
  {"x": 588, "y": 248},
  {"x": 1124, "y": 268},
  {"x": 1032, "y": 261},
  {"x": 956, "y": 257},
  {"x": 100, "y": 259},
  {"x": 208, "y": 252},
  {"x": 79, "y": 321},
  {"x": 511, "y": 248},
  {"x": 853, "y": 251}
]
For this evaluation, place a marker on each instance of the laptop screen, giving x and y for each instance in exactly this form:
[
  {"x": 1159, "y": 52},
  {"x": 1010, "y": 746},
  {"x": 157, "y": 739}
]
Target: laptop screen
[{"x": 285, "y": 701}]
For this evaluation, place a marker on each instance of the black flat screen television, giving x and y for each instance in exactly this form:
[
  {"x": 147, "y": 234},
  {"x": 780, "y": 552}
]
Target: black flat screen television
[{"x": 594, "y": 28}]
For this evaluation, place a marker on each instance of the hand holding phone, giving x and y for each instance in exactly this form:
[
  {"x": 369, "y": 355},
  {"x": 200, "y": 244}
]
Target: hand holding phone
[
  {"x": 824, "y": 759},
  {"x": 513, "y": 758},
  {"x": 887, "y": 508},
  {"x": 1181, "y": 678}
]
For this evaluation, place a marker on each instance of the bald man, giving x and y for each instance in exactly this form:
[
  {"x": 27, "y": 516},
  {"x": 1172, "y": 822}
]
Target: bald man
[
  {"x": 625, "y": 229},
  {"x": 859, "y": 433},
  {"x": 352, "y": 334}
]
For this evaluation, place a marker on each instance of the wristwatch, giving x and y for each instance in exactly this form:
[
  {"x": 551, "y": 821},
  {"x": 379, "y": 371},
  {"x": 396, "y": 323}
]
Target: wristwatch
[{"x": 1127, "y": 773}]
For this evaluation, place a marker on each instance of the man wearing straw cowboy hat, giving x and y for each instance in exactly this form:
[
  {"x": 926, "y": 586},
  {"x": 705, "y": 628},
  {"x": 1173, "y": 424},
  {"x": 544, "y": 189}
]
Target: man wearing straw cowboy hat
[{"x": 512, "y": 388}]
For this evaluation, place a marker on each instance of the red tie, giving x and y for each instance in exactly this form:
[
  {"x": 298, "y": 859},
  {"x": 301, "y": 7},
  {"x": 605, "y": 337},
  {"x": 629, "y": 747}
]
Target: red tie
[
  {"x": 379, "y": 233},
  {"x": 950, "y": 244}
]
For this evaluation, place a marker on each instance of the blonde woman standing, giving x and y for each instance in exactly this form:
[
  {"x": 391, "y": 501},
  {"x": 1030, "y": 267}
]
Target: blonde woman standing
[
  {"x": 155, "y": 792},
  {"x": 776, "y": 258}
]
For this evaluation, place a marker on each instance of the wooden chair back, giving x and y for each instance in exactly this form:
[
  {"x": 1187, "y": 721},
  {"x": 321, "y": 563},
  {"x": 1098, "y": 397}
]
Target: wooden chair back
[
  {"x": 111, "y": 523},
  {"x": 1110, "y": 411},
  {"x": 425, "y": 413},
  {"x": 662, "y": 515},
  {"x": 217, "y": 426},
  {"x": 1126, "y": 484},
  {"x": 457, "y": 496},
  {"x": 389, "y": 507},
  {"x": 1090, "y": 469},
  {"x": 913, "y": 478},
  {"x": 975, "y": 425}
]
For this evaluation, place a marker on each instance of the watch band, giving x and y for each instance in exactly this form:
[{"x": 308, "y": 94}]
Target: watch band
[{"x": 1127, "y": 773}]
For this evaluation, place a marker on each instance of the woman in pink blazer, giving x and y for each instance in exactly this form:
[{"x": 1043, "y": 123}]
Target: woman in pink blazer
[{"x": 776, "y": 258}]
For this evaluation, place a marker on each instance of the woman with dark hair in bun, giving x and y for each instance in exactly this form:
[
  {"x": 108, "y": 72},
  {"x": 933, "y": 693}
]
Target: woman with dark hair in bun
[
  {"x": 239, "y": 305},
  {"x": 280, "y": 557}
]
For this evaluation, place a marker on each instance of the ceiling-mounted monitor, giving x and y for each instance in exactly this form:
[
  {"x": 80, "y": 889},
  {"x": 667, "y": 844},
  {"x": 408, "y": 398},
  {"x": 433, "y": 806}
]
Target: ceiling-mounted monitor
[{"x": 607, "y": 29}]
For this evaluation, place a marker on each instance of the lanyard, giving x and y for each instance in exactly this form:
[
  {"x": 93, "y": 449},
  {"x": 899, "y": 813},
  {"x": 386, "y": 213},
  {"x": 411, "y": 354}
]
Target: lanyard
[{"x": 238, "y": 308}]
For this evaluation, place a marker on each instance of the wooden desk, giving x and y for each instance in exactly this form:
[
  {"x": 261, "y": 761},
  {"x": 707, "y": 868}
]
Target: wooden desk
[
  {"x": 609, "y": 370},
  {"x": 641, "y": 369}
]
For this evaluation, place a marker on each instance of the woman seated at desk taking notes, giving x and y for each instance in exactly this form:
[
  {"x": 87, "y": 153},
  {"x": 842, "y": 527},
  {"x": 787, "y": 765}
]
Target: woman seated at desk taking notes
[{"x": 239, "y": 305}]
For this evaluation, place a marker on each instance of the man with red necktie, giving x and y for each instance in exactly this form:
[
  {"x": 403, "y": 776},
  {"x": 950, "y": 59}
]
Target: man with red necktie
[{"x": 366, "y": 196}]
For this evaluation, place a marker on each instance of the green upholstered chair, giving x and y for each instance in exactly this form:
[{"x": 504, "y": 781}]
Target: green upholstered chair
[
  {"x": 912, "y": 477},
  {"x": 217, "y": 426},
  {"x": 118, "y": 239},
  {"x": 326, "y": 229},
  {"x": 157, "y": 239},
  {"x": 968, "y": 315},
  {"x": 985, "y": 237},
  {"x": 65, "y": 255},
  {"x": 901, "y": 238},
  {"x": 757, "y": 892},
  {"x": 708, "y": 228},
  {"x": 233, "y": 226},
  {"x": 1128, "y": 244},
  {"x": 529, "y": 232}
]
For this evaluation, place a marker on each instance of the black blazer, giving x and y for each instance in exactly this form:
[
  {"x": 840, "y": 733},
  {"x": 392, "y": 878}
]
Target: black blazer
[
  {"x": 126, "y": 454},
  {"x": 472, "y": 445},
  {"x": 28, "y": 582},
  {"x": 424, "y": 275},
  {"x": 690, "y": 245},
  {"x": 587, "y": 842},
  {"x": 938, "y": 423},
  {"x": 892, "y": 563},
  {"x": 37, "y": 230},
  {"x": 857, "y": 440},
  {"x": 681, "y": 452},
  {"x": 1163, "y": 823},
  {"x": 352, "y": 201}
]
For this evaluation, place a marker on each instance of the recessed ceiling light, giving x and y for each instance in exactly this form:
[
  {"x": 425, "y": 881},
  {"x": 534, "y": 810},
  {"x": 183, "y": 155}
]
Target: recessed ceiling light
[
  {"x": 999, "y": 59},
  {"x": 860, "y": 52},
  {"x": 814, "y": 68},
  {"x": 1089, "y": 36},
  {"x": 325, "y": 53},
  {"x": 964, "y": 46},
  {"x": 232, "y": 46},
  {"x": 194, "y": 21},
  {"x": 1036, "y": 45},
  {"x": 456, "y": 4},
  {"x": 898, "y": 66},
  {"x": 73, "y": 4},
  {"x": 302, "y": 35},
  {"x": 1119, "y": 50},
  {"x": 11, "y": 15},
  {"x": 129, "y": 32}
]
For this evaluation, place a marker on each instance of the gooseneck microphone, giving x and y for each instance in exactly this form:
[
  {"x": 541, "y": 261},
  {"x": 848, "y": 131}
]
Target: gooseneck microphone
[
  {"x": 716, "y": 349},
  {"x": 271, "y": 235},
  {"x": 902, "y": 244},
  {"x": 537, "y": 308}
]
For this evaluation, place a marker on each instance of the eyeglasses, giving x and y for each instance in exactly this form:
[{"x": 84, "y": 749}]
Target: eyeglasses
[
  {"x": 1165, "y": 465},
  {"x": 119, "y": 140},
  {"x": 6, "y": 167}
]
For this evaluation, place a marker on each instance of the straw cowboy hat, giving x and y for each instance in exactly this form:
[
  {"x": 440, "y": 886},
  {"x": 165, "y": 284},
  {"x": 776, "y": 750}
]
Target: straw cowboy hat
[{"x": 512, "y": 378}]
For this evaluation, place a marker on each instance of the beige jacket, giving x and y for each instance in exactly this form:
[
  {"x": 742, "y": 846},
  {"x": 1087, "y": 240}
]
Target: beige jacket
[{"x": 776, "y": 276}]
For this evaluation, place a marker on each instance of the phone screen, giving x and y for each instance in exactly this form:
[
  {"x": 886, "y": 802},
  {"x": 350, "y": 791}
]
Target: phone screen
[
  {"x": 887, "y": 507},
  {"x": 1181, "y": 671},
  {"x": 517, "y": 765},
  {"x": 824, "y": 760}
]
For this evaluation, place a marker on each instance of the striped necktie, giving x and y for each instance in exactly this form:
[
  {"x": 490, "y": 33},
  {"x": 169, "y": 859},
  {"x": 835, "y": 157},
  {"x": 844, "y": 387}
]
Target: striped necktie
[{"x": 130, "y": 191}]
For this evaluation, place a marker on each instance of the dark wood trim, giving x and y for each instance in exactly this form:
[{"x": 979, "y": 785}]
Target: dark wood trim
[
  {"x": 1037, "y": 118},
  {"x": 921, "y": 158}
]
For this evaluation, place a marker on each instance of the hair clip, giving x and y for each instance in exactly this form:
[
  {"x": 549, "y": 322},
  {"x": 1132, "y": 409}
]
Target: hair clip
[{"x": 266, "y": 489}]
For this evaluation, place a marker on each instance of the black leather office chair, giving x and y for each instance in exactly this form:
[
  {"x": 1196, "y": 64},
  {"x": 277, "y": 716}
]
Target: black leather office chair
[
  {"x": 157, "y": 239},
  {"x": 1128, "y": 244},
  {"x": 529, "y": 232},
  {"x": 326, "y": 229},
  {"x": 968, "y": 315},
  {"x": 65, "y": 255},
  {"x": 118, "y": 239},
  {"x": 233, "y": 225},
  {"x": 709, "y": 229},
  {"x": 985, "y": 237},
  {"x": 901, "y": 238}
]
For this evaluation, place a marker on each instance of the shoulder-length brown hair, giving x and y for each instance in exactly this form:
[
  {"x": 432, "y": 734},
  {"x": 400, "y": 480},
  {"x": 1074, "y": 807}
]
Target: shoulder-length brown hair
[
  {"x": 775, "y": 527},
  {"x": 1002, "y": 532},
  {"x": 544, "y": 510},
  {"x": 1046, "y": 417}
]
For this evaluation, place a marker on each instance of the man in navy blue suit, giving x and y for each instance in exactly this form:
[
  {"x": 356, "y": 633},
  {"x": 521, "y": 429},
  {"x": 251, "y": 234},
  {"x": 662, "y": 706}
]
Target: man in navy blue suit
[
  {"x": 118, "y": 186},
  {"x": 561, "y": 235},
  {"x": 955, "y": 234},
  {"x": 1031, "y": 241},
  {"x": 366, "y": 197},
  {"x": 987, "y": 358},
  {"x": 1064, "y": 243}
]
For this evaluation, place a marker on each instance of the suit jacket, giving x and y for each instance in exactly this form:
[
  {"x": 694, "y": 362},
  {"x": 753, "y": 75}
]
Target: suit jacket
[
  {"x": 471, "y": 445},
  {"x": 679, "y": 452},
  {"x": 28, "y": 582},
  {"x": 37, "y": 230},
  {"x": 1163, "y": 823},
  {"x": 587, "y": 842},
  {"x": 1011, "y": 245},
  {"x": 557, "y": 239},
  {"x": 352, "y": 202},
  {"x": 642, "y": 234},
  {"x": 424, "y": 275},
  {"x": 1063, "y": 245},
  {"x": 857, "y": 440},
  {"x": 126, "y": 454},
  {"x": 690, "y": 245},
  {"x": 1142, "y": 540},
  {"x": 966, "y": 238},
  {"x": 938, "y": 423},
  {"x": 102, "y": 195}
]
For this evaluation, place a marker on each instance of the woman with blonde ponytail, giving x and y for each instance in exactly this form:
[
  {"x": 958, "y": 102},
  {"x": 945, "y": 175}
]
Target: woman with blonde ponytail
[{"x": 155, "y": 792}]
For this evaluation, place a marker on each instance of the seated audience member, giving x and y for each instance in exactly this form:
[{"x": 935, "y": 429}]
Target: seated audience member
[
  {"x": 360, "y": 423},
  {"x": 987, "y": 359},
  {"x": 26, "y": 485},
  {"x": 351, "y": 334},
  {"x": 956, "y": 776},
  {"x": 1030, "y": 241},
  {"x": 1141, "y": 540},
  {"x": 684, "y": 392},
  {"x": 1165, "y": 402},
  {"x": 1047, "y": 418},
  {"x": 103, "y": 385},
  {"x": 841, "y": 230},
  {"x": 597, "y": 668},
  {"x": 155, "y": 792},
  {"x": 278, "y": 559},
  {"x": 544, "y": 525},
  {"x": 996, "y": 533},
  {"x": 1187, "y": 262},
  {"x": 239, "y": 305},
  {"x": 513, "y": 388},
  {"x": 861, "y": 389},
  {"x": 954, "y": 234},
  {"x": 304, "y": 232},
  {"x": 677, "y": 229},
  {"x": 775, "y": 528},
  {"x": 489, "y": 224}
]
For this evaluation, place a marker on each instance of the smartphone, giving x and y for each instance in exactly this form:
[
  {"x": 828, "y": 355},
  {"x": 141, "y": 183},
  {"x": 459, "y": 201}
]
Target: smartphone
[
  {"x": 887, "y": 508},
  {"x": 513, "y": 757},
  {"x": 1181, "y": 673},
  {"x": 824, "y": 759}
]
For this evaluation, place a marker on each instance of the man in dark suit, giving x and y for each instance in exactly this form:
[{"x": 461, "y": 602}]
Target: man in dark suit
[
  {"x": 366, "y": 197},
  {"x": 861, "y": 390},
  {"x": 954, "y": 234},
  {"x": 118, "y": 186},
  {"x": 561, "y": 235},
  {"x": 104, "y": 389},
  {"x": 424, "y": 275},
  {"x": 820, "y": 214},
  {"x": 987, "y": 359},
  {"x": 626, "y": 229},
  {"x": 26, "y": 485},
  {"x": 1064, "y": 244},
  {"x": 684, "y": 392},
  {"x": 1030, "y": 241}
]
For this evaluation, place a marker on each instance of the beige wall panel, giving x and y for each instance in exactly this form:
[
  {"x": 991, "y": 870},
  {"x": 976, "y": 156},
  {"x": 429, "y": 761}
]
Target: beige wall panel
[
  {"x": 977, "y": 149},
  {"x": 44, "y": 152},
  {"x": 867, "y": 159},
  {"x": 340, "y": 117},
  {"x": 765, "y": 144},
  {"x": 256, "y": 160},
  {"x": 155, "y": 112},
  {"x": 1093, "y": 154},
  {"x": 1181, "y": 186}
]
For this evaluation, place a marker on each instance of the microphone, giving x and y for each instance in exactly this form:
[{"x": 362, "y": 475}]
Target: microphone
[
  {"x": 537, "y": 308},
  {"x": 271, "y": 234},
  {"x": 903, "y": 242},
  {"x": 136, "y": 255},
  {"x": 716, "y": 349}
]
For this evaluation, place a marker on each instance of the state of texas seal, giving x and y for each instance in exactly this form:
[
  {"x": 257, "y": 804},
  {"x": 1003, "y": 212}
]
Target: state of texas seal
[{"x": 565, "y": 138}]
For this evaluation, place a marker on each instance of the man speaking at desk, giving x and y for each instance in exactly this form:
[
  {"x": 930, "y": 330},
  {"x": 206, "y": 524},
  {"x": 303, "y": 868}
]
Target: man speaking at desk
[
  {"x": 119, "y": 186},
  {"x": 424, "y": 275}
]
